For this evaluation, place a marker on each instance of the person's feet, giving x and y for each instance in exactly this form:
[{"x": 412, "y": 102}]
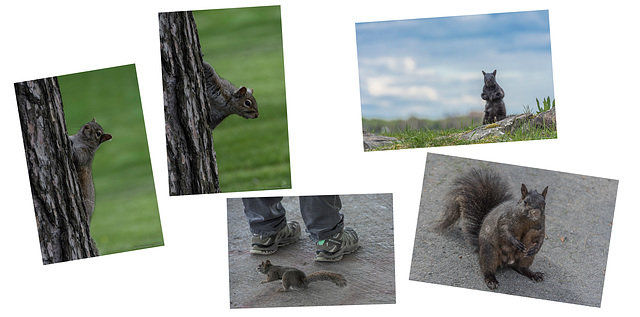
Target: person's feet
[
  {"x": 266, "y": 245},
  {"x": 333, "y": 248}
]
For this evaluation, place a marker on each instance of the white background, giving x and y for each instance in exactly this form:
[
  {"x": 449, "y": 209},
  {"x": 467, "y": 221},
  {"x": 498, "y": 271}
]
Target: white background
[{"x": 595, "y": 65}]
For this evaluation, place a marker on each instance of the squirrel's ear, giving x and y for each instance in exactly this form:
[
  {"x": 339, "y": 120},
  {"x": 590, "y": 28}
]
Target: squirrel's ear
[
  {"x": 93, "y": 120},
  {"x": 494, "y": 72},
  {"x": 241, "y": 92},
  {"x": 483, "y": 73},
  {"x": 524, "y": 190},
  {"x": 267, "y": 262},
  {"x": 250, "y": 90},
  {"x": 544, "y": 192}
]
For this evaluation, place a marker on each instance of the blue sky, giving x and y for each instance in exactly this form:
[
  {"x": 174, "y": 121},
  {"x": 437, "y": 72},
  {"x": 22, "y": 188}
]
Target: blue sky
[{"x": 432, "y": 68}]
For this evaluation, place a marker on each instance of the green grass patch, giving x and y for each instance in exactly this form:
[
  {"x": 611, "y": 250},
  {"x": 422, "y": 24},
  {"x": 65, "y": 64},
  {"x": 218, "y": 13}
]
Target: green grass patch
[
  {"x": 126, "y": 214},
  {"x": 244, "y": 46},
  {"x": 428, "y": 137}
]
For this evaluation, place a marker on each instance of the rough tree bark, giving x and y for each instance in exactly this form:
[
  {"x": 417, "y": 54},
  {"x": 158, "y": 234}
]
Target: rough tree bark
[
  {"x": 191, "y": 158},
  {"x": 60, "y": 214}
]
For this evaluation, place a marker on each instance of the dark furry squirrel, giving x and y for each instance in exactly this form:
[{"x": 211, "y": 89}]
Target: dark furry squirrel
[
  {"x": 296, "y": 279},
  {"x": 226, "y": 99},
  {"x": 84, "y": 145},
  {"x": 507, "y": 232},
  {"x": 494, "y": 109}
]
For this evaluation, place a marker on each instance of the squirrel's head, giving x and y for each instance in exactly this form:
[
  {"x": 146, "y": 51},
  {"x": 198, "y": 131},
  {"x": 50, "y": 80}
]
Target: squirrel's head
[
  {"x": 245, "y": 104},
  {"x": 534, "y": 202},
  {"x": 94, "y": 133},
  {"x": 263, "y": 266},
  {"x": 490, "y": 78}
]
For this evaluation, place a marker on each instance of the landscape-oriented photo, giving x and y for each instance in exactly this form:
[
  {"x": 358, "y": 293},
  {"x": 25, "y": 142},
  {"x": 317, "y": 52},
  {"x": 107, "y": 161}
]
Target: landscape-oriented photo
[
  {"x": 90, "y": 171},
  {"x": 456, "y": 80},
  {"x": 360, "y": 271},
  {"x": 244, "y": 46},
  {"x": 514, "y": 230}
]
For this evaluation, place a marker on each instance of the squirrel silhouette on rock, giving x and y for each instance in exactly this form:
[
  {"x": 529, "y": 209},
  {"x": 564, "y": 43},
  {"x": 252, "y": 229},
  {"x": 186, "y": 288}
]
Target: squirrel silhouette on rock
[
  {"x": 494, "y": 109},
  {"x": 507, "y": 232}
]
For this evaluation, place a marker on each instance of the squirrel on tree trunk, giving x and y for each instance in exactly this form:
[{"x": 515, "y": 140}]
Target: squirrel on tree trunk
[
  {"x": 507, "y": 232},
  {"x": 296, "y": 279},
  {"x": 226, "y": 99},
  {"x": 84, "y": 145}
]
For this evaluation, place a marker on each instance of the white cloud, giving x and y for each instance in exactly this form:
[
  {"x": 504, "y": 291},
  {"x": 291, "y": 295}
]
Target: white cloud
[{"x": 384, "y": 86}]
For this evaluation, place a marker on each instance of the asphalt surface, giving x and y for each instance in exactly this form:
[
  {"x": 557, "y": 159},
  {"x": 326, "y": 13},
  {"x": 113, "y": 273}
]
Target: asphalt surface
[
  {"x": 579, "y": 219},
  {"x": 370, "y": 272}
]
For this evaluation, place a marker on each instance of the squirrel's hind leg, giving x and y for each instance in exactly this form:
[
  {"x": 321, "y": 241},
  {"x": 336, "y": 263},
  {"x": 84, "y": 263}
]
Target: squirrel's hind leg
[{"x": 534, "y": 276}]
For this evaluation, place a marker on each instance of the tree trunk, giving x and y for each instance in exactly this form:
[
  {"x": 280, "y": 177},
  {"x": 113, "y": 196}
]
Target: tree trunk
[
  {"x": 60, "y": 214},
  {"x": 191, "y": 158}
]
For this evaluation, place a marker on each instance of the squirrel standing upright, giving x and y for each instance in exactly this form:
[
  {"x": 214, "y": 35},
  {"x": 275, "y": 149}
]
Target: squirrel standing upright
[
  {"x": 84, "y": 145},
  {"x": 226, "y": 99},
  {"x": 296, "y": 279},
  {"x": 494, "y": 109},
  {"x": 507, "y": 232}
]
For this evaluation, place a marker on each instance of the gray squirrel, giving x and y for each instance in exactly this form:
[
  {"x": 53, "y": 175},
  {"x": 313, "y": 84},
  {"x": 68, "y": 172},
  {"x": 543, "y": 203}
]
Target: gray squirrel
[
  {"x": 84, "y": 145},
  {"x": 226, "y": 99},
  {"x": 296, "y": 279},
  {"x": 494, "y": 109},
  {"x": 507, "y": 232}
]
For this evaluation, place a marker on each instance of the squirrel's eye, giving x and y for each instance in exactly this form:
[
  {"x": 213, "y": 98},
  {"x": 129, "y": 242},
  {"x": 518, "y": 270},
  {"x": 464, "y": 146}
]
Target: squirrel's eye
[
  {"x": 98, "y": 133},
  {"x": 247, "y": 103}
]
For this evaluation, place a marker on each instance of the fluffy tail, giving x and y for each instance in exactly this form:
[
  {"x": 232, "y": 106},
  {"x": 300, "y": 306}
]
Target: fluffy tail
[
  {"x": 336, "y": 278},
  {"x": 472, "y": 196}
]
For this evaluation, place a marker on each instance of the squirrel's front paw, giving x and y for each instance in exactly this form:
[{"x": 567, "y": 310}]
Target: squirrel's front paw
[{"x": 533, "y": 250}]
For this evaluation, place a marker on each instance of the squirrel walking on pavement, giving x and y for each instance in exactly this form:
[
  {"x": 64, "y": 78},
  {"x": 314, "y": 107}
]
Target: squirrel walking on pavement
[
  {"x": 226, "y": 99},
  {"x": 296, "y": 279},
  {"x": 507, "y": 232},
  {"x": 84, "y": 145}
]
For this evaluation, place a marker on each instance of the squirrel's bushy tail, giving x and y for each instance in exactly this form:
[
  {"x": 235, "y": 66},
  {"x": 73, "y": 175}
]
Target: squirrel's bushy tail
[
  {"x": 336, "y": 278},
  {"x": 472, "y": 196}
]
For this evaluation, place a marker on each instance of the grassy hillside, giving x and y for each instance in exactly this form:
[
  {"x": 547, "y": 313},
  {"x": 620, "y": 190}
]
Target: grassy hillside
[
  {"x": 126, "y": 214},
  {"x": 245, "y": 47}
]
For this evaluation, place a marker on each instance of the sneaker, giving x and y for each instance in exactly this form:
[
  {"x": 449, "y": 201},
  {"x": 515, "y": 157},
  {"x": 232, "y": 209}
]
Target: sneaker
[
  {"x": 266, "y": 245},
  {"x": 333, "y": 248}
]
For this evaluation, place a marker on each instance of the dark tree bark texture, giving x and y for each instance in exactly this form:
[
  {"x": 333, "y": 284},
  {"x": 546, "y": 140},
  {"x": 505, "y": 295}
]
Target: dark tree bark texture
[
  {"x": 60, "y": 214},
  {"x": 191, "y": 158}
]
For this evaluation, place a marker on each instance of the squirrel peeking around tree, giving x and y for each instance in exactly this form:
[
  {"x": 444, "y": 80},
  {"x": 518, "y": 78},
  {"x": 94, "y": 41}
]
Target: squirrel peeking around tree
[
  {"x": 296, "y": 279},
  {"x": 507, "y": 232},
  {"x": 84, "y": 145},
  {"x": 494, "y": 109},
  {"x": 226, "y": 99}
]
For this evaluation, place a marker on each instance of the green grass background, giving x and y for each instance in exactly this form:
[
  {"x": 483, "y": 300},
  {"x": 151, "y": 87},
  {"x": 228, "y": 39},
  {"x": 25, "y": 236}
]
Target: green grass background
[
  {"x": 126, "y": 214},
  {"x": 244, "y": 45}
]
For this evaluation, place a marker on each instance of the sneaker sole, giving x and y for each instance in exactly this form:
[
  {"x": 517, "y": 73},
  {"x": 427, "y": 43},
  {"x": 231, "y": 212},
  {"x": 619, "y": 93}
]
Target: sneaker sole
[
  {"x": 273, "y": 248},
  {"x": 334, "y": 257}
]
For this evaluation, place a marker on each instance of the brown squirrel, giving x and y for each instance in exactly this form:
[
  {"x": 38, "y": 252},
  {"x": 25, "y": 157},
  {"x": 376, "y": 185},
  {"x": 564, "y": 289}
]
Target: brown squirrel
[
  {"x": 84, "y": 145},
  {"x": 226, "y": 99},
  {"x": 296, "y": 279},
  {"x": 508, "y": 232}
]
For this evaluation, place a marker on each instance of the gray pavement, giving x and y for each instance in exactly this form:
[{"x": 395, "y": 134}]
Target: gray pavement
[
  {"x": 370, "y": 272},
  {"x": 579, "y": 218}
]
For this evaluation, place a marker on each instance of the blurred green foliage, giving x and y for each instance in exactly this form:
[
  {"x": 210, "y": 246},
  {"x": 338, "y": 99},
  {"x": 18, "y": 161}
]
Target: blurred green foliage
[
  {"x": 126, "y": 215},
  {"x": 244, "y": 45}
]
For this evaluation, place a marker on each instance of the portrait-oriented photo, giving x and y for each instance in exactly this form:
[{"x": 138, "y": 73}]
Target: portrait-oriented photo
[{"x": 89, "y": 165}]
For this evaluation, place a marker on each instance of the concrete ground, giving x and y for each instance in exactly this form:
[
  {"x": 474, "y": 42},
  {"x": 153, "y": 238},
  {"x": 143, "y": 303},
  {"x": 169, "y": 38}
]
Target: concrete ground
[
  {"x": 579, "y": 218},
  {"x": 369, "y": 271}
]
